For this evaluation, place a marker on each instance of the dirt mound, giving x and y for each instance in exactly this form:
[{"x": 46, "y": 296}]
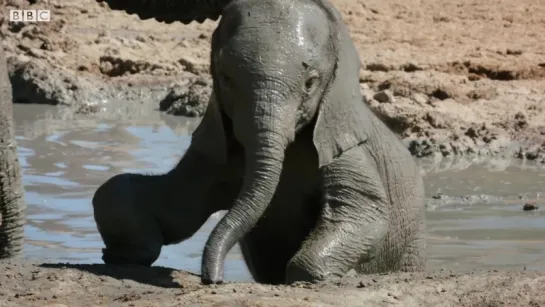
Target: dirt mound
[
  {"x": 31, "y": 284},
  {"x": 83, "y": 59},
  {"x": 456, "y": 78}
]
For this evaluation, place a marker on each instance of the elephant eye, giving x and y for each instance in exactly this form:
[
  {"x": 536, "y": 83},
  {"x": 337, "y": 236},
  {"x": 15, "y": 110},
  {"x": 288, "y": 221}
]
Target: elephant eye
[
  {"x": 226, "y": 81},
  {"x": 311, "y": 82}
]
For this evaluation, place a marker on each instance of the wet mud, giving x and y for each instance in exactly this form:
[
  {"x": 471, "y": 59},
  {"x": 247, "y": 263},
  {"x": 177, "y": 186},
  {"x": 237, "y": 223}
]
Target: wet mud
[{"x": 46, "y": 284}]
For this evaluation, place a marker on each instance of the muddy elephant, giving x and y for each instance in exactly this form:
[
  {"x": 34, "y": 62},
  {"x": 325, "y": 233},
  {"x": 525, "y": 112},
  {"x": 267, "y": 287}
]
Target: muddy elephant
[
  {"x": 314, "y": 183},
  {"x": 12, "y": 204}
]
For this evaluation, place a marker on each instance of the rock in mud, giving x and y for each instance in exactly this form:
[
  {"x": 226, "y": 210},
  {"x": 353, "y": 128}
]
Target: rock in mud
[
  {"x": 196, "y": 66},
  {"x": 384, "y": 96},
  {"x": 531, "y": 206},
  {"x": 34, "y": 81},
  {"x": 188, "y": 100},
  {"x": 116, "y": 66}
]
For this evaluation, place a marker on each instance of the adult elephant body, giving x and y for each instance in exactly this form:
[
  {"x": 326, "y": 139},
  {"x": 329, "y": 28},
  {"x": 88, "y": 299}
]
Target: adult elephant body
[
  {"x": 12, "y": 205},
  {"x": 314, "y": 183}
]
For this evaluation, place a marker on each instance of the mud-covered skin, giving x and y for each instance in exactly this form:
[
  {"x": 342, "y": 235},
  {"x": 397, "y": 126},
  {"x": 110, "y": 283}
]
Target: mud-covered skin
[
  {"x": 12, "y": 203},
  {"x": 308, "y": 147}
]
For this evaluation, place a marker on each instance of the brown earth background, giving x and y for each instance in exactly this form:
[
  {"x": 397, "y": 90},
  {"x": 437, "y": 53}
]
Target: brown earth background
[{"x": 458, "y": 77}]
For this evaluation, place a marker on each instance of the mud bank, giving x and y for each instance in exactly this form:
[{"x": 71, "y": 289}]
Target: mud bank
[
  {"x": 49, "y": 284},
  {"x": 456, "y": 78},
  {"x": 85, "y": 59}
]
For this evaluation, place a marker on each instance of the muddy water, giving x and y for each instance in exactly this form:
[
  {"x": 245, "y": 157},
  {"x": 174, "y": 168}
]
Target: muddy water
[{"x": 474, "y": 211}]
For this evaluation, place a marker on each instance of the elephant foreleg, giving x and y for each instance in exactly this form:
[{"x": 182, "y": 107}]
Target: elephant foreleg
[
  {"x": 353, "y": 223},
  {"x": 263, "y": 260},
  {"x": 137, "y": 214},
  {"x": 266, "y": 254},
  {"x": 392, "y": 257},
  {"x": 414, "y": 257}
]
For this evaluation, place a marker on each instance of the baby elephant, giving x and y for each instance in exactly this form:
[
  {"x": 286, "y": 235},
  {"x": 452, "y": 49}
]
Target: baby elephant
[{"x": 314, "y": 183}]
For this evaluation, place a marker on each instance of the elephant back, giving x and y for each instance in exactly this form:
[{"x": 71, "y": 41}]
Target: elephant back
[{"x": 169, "y": 11}]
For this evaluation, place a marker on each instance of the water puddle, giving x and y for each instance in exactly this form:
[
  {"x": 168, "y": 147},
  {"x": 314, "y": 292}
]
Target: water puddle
[{"x": 64, "y": 159}]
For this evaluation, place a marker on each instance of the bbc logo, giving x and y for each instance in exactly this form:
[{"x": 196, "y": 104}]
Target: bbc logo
[{"x": 29, "y": 15}]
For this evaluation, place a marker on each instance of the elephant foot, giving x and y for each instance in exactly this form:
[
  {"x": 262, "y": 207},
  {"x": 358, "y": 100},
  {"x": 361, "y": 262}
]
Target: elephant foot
[
  {"x": 296, "y": 273},
  {"x": 127, "y": 257},
  {"x": 208, "y": 281}
]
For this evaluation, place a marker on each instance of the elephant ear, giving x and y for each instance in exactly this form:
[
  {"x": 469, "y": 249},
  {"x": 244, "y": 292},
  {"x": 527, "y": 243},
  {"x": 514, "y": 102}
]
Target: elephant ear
[
  {"x": 209, "y": 137},
  {"x": 169, "y": 11},
  {"x": 343, "y": 118}
]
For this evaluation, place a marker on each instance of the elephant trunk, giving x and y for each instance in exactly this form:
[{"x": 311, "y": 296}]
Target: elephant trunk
[{"x": 265, "y": 142}]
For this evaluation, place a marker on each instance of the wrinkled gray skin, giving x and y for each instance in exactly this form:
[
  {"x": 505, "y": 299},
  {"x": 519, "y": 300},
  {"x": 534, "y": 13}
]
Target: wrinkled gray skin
[
  {"x": 12, "y": 205},
  {"x": 314, "y": 182}
]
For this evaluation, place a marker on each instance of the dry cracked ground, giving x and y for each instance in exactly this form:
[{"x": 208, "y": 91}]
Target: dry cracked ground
[{"x": 457, "y": 77}]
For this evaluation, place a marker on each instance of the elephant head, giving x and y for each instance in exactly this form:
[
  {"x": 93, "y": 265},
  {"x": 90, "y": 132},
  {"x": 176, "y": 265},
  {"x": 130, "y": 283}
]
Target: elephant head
[{"x": 278, "y": 66}]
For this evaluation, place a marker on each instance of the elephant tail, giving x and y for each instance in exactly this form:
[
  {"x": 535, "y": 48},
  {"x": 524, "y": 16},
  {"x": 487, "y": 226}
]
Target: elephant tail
[{"x": 169, "y": 11}]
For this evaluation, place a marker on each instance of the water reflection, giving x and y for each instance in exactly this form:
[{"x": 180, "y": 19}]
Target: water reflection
[{"x": 66, "y": 157}]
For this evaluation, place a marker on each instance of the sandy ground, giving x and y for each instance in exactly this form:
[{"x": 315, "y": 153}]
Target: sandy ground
[
  {"x": 33, "y": 284},
  {"x": 458, "y": 77}
]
